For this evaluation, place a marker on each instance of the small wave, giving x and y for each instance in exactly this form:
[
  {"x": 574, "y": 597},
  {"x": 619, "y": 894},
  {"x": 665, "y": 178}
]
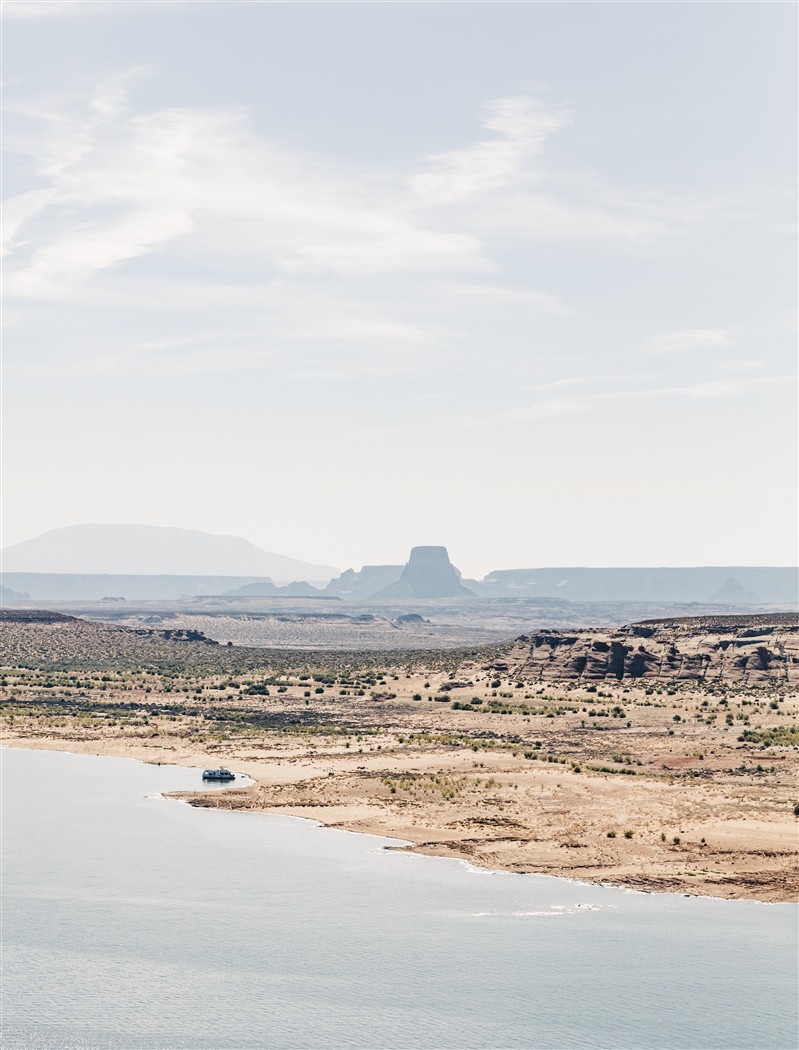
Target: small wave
[
  {"x": 518, "y": 914},
  {"x": 555, "y": 911}
]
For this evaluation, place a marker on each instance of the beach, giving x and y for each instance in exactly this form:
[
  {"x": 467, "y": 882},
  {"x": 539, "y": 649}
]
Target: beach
[
  {"x": 710, "y": 825},
  {"x": 664, "y": 785}
]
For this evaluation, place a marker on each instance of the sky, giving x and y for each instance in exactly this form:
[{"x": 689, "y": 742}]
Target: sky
[{"x": 343, "y": 278}]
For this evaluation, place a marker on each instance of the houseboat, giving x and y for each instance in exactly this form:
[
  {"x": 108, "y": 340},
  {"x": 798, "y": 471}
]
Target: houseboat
[{"x": 218, "y": 774}]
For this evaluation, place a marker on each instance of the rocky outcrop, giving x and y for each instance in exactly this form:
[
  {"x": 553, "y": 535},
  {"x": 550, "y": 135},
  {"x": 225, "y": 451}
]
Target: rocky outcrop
[
  {"x": 34, "y": 616},
  {"x": 428, "y": 574},
  {"x": 753, "y": 651},
  {"x": 357, "y": 586},
  {"x": 178, "y": 634}
]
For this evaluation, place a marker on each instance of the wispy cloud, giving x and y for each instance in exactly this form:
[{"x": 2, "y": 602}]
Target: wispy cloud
[
  {"x": 191, "y": 212},
  {"x": 505, "y": 186},
  {"x": 32, "y": 9},
  {"x": 504, "y": 295},
  {"x": 116, "y": 185},
  {"x": 707, "y": 390},
  {"x": 547, "y": 407},
  {"x": 685, "y": 340},
  {"x": 143, "y": 182},
  {"x": 46, "y": 8},
  {"x": 521, "y": 127}
]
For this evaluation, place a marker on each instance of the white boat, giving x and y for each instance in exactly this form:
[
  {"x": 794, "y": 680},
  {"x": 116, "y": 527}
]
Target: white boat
[{"x": 218, "y": 774}]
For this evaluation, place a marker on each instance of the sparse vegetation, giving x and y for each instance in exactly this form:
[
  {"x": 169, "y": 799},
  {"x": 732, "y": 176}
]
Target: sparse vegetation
[{"x": 499, "y": 750}]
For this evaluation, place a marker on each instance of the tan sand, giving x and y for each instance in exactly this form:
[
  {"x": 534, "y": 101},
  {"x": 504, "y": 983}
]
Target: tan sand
[
  {"x": 659, "y": 785},
  {"x": 730, "y": 835}
]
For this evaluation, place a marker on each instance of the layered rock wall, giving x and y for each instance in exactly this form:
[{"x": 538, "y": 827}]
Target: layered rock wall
[{"x": 766, "y": 653}]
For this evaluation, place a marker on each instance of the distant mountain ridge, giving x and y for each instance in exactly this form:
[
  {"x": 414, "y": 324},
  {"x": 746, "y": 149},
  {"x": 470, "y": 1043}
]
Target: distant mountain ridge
[
  {"x": 434, "y": 576},
  {"x": 153, "y": 550},
  {"x": 736, "y": 584},
  {"x": 174, "y": 563},
  {"x": 94, "y": 587}
]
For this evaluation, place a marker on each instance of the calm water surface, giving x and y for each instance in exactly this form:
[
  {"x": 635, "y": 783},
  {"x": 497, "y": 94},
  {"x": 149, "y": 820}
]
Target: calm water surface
[{"x": 136, "y": 922}]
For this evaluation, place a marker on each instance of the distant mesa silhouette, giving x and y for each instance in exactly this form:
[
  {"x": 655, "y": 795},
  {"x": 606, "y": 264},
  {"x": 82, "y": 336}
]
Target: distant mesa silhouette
[
  {"x": 733, "y": 592},
  {"x": 267, "y": 589},
  {"x": 92, "y": 562},
  {"x": 354, "y": 586},
  {"x": 154, "y": 550},
  {"x": 8, "y": 594},
  {"x": 428, "y": 574}
]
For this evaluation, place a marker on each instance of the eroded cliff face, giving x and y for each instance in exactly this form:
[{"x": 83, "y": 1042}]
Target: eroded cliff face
[{"x": 730, "y": 650}]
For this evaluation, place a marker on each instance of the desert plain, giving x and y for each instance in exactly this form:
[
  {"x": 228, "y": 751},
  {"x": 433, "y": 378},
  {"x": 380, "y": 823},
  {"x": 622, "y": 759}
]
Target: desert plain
[{"x": 660, "y": 756}]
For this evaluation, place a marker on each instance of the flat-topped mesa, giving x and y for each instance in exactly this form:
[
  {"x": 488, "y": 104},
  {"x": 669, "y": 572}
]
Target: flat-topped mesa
[{"x": 428, "y": 574}]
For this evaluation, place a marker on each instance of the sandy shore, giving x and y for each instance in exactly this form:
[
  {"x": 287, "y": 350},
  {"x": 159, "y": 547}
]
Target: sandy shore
[
  {"x": 502, "y": 811},
  {"x": 661, "y": 785}
]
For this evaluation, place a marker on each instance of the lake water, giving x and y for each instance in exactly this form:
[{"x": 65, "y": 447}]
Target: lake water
[{"x": 132, "y": 921}]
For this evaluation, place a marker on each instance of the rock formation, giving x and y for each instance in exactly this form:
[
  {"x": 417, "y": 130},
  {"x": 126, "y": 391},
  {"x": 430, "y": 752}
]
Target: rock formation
[
  {"x": 726, "y": 649},
  {"x": 428, "y": 574},
  {"x": 356, "y": 586}
]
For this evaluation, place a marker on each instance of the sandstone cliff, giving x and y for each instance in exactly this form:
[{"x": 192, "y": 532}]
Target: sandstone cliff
[{"x": 729, "y": 650}]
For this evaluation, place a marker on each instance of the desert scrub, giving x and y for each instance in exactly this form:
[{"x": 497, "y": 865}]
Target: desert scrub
[{"x": 780, "y": 736}]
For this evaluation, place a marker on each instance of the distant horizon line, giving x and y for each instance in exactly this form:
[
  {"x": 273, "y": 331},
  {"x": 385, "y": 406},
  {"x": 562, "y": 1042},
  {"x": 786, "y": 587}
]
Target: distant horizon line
[
  {"x": 517, "y": 568},
  {"x": 334, "y": 569}
]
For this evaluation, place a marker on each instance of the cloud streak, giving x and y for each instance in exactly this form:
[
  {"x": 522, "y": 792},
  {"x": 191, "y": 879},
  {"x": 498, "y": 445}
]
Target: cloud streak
[
  {"x": 225, "y": 249},
  {"x": 707, "y": 390},
  {"x": 116, "y": 189},
  {"x": 41, "y": 9},
  {"x": 687, "y": 340},
  {"x": 521, "y": 127},
  {"x": 115, "y": 186}
]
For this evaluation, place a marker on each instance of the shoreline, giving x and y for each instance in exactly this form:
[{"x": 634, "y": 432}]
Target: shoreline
[
  {"x": 501, "y": 757},
  {"x": 235, "y": 798}
]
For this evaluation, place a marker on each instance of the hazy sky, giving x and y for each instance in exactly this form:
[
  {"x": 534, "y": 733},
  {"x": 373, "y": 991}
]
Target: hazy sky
[{"x": 343, "y": 278}]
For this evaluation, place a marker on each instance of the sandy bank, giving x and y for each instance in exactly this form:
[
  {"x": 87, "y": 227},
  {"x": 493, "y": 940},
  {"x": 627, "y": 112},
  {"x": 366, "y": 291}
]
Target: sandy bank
[{"x": 505, "y": 813}]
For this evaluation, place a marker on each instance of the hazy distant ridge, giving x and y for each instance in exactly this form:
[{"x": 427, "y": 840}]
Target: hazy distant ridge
[
  {"x": 736, "y": 584},
  {"x": 76, "y": 586},
  {"x": 146, "y": 561},
  {"x": 151, "y": 550}
]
